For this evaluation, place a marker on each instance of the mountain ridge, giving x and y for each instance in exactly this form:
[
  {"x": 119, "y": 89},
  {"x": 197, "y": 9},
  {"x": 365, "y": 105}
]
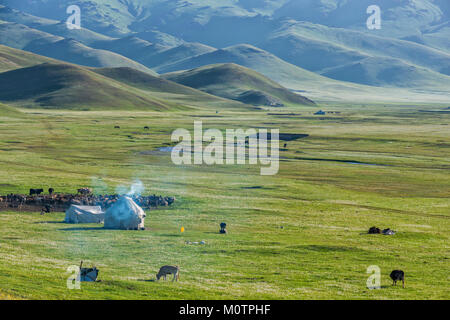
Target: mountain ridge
[{"x": 235, "y": 82}]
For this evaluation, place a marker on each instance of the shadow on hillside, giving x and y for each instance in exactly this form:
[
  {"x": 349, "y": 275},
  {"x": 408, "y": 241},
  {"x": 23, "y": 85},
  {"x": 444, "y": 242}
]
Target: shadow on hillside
[{"x": 147, "y": 280}]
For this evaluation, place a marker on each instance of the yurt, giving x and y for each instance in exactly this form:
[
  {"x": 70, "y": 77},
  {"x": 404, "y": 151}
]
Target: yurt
[
  {"x": 84, "y": 214},
  {"x": 125, "y": 214}
]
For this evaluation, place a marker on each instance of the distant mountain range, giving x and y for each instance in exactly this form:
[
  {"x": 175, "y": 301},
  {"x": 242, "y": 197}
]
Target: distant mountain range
[{"x": 320, "y": 48}]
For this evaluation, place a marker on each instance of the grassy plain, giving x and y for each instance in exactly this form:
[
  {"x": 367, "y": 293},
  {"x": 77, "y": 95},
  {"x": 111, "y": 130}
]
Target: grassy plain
[{"x": 369, "y": 165}]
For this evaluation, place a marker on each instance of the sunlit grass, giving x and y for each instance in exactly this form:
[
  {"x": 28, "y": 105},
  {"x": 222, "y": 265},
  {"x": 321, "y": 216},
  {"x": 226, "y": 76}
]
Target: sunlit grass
[{"x": 296, "y": 235}]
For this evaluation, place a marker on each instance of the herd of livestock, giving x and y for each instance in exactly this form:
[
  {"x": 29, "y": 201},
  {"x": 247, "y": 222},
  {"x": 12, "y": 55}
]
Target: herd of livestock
[{"x": 60, "y": 202}]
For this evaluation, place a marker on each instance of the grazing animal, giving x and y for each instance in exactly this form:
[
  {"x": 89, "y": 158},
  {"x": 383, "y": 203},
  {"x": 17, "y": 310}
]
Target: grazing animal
[
  {"x": 165, "y": 270},
  {"x": 88, "y": 274},
  {"x": 223, "y": 229},
  {"x": 36, "y": 191},
  {"x": 397, "y": 275},
  {"x": 374, "y": 230},
  {"x": 51, "y": 190},
  {"x": 147, "y": 128},
  {"x": 388, "y": 232},
  {"x": 116, "y": 127}
]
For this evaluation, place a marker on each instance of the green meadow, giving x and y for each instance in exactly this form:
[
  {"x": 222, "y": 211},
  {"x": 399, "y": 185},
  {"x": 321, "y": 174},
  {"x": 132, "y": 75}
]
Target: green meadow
[{"x": 301, "y": 234}]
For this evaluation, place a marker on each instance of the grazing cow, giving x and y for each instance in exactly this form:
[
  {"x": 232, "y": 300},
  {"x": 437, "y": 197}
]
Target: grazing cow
[
  {"x": 374, "y": 230},
  {"x": 223, "y": 229},
  {"x": 164, "y": 271},
  {"x": 388, "y": 232},
  {"x": 147, "y": 128},
  {"x": 397, "y": 275},
  {"x": 116, "y": 127},
  {"x": 36, "y": 191},
  {"x": 50, "y": 191},
  {"x": 88, "y": 274}
]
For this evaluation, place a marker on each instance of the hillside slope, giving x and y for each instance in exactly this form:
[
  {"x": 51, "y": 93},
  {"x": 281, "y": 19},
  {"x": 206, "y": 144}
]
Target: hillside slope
[
  {"x": 386, "y": 72},
  {"x": 177, "y": 54},
  {"x": 235, "y": 82},
  {"x": 46, "y": 81},
  {"x": 10, "y": 112},
  {"x": 250, "y": 57},
  {"x": 400, "y": 18},
  {"x": 159, "y": 85},
  {"x": 75, "y": 52},
  {"x": 54, "y": 27},
  {"x": 316, "y": 47},
  {"x": 22, "y": 37},
  {"x": 72, "y": 87},
  {"x": 11, "y": 59}
]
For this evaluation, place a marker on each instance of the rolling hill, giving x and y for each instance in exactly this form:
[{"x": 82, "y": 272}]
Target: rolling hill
[
  {"x": 299, "y": 37},
  {"x": 235, "y": 82},
  {"x": 35, "y": 81},
  {"x": 166, "y": 89},
  {"x": 10, "y": 112},
  {"x": 250, "y": 57},
  {"x": 303, "y": 51},
  {"x": 132, "y": 47},
  {"x": 312, "y": 85},
  {"x": 68, "y": 86},
  {"x": 148, "y": 82},
  {"x": 388, "y": 72},
  {"x": 22, "y": 37},
  {"x": 11, "y": 59},
  {"x": 177, "y": 54},
  {"x": 75, "y": 52},
  {"x": 13, "y": 15},
  {"x": 400, "y": 18}
]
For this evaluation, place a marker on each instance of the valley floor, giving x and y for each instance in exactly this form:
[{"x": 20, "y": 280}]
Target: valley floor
[{"x": 298, "y": 235}]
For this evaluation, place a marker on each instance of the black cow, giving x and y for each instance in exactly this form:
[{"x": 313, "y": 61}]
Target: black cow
[
  {"x": 147, "y": 128},
  {"x": 36, "y": 191},
  {"x": 223, "y": 229},
  {"x": 397, "y": 275},
  {"x": 50, "y": 191},
  {"x": 374, "y": 230}
]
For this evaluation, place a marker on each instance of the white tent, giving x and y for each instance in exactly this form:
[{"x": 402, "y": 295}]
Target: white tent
[
  {"x": 84, "y": 214},
  {"x": 125, "y": 214}
]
